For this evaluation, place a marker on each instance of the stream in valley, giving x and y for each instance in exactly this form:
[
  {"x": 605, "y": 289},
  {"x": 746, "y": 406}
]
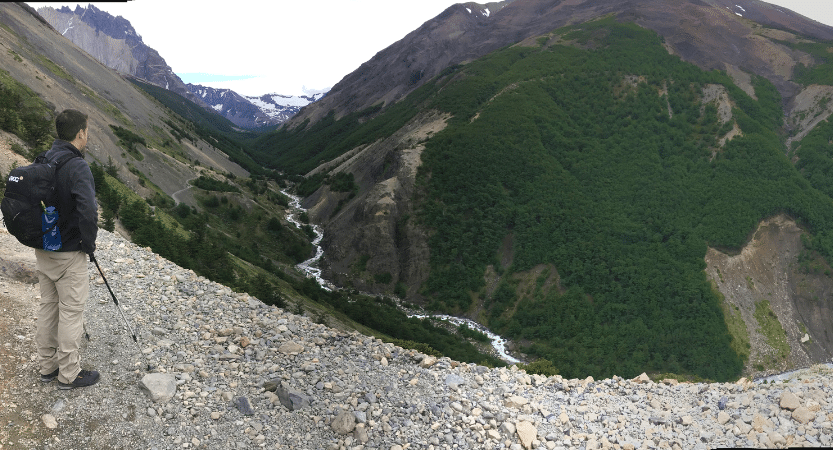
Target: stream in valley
[{"x": 310, "y": 269}]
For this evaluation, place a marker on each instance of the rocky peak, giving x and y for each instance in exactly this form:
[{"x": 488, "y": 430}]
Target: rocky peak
[
  {"x": 114, "y": 42},
  {"x": 102, "y": 21}
]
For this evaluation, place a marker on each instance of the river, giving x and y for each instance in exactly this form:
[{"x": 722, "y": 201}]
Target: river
[
  {"x": 310, "y": 268},
  {"x": 789, "y": 375}
]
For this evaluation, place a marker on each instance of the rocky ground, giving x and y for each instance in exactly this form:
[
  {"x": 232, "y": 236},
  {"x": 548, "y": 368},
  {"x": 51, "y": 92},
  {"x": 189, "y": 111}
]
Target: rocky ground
[{"x": 230, "y": 372}]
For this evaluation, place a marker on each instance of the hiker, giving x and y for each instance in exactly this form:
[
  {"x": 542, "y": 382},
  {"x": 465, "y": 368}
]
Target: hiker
[{"x": 63, "y": 276}]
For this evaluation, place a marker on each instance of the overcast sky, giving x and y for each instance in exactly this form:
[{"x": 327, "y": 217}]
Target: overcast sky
[{"x": 285, "y": 47}]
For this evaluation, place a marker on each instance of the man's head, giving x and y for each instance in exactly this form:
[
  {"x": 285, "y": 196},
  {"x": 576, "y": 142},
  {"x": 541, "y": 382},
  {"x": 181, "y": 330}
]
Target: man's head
[{"x": 71, "y": 126}]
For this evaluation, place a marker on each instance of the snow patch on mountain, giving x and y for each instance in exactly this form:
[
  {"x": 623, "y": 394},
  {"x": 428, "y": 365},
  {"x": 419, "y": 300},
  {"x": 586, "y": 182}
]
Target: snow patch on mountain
[
  {"x": 484, "y": 12},
  {"x": 274, "y": 102},
  {"x": 254, "y": 111}
]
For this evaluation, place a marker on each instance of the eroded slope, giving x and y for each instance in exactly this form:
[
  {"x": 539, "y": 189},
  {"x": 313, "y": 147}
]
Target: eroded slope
[{"x": 768, "y": 276}]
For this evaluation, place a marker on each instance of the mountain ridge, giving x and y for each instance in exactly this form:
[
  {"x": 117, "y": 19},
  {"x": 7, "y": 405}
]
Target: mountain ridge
[
  {"x": 252, "y": 111},
  {"x": 61, "y": 75},
  {"x": 116, "y": 44},
  {"x": 455, "y": 36}
]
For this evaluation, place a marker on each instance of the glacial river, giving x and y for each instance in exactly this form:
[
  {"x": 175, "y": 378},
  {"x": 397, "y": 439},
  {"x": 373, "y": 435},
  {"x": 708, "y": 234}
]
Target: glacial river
[{"x": 310, "y": 268}]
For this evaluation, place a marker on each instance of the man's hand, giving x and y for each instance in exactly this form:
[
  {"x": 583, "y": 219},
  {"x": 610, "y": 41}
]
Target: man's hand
[{"x": 92, "y": 257}]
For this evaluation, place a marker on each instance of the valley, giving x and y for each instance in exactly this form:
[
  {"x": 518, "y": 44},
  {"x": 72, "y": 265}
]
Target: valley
[{"x": 596, "y": 182}]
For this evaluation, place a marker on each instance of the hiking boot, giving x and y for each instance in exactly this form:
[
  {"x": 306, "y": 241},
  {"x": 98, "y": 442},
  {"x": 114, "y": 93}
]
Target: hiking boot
[
  {"x": 48, "y": 378},
  {"x": 85, "y": 378}
]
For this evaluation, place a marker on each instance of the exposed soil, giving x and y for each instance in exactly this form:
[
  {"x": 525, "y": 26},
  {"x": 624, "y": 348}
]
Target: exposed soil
[
  {"x": 768, "y": 269},
  {"x": 376, "y": 222},
  {"x": 809, "y": 108}
]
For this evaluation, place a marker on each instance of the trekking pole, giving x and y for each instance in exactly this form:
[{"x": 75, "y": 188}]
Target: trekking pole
[
  {"x": 149, "y": 366},
  {"x": 115, "y": 300}
]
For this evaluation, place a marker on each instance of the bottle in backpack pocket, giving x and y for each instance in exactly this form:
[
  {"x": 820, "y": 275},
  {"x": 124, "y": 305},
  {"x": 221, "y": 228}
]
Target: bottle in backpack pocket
[{"x": 49, "y": 226}]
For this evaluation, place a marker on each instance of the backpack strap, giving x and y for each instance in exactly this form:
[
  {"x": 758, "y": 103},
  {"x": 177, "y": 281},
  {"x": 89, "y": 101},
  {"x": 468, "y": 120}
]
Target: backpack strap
[
  {"x": 58, "y": 164},
  {"x": 41, "y": 159}
]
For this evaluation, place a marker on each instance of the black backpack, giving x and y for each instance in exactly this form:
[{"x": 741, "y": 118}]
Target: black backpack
[{"x": 30, "y": 192}]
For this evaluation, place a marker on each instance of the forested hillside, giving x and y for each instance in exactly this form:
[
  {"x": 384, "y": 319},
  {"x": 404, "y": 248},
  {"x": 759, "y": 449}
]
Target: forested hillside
[
  {"x": 555, "y": 158},
  {"x": 570, "y": 201}
]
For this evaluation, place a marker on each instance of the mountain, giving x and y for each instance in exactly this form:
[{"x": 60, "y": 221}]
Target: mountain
[
  {"x": 116, "y": 44},
  {"x": 252, "y": 112},
  {"x": 44, "y": 68},
  {"x": 144, "y": 154},
  {"x": 560, "y": 170},
  {"x": 280, "y": 108},
  {"x": 174, "y": 177},
  {"x": 714, "y": 34}
]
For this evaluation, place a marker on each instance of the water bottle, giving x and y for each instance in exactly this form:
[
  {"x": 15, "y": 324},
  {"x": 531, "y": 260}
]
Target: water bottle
[{"x": 49, "y": 226}]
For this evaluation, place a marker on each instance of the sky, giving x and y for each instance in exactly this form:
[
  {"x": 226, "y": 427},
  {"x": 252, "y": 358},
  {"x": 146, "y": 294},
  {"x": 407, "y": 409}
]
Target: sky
[{"x": 290, "y": 47}]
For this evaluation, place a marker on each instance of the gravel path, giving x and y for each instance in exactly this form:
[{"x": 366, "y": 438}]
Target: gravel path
[{"x": 214, "y": 351}]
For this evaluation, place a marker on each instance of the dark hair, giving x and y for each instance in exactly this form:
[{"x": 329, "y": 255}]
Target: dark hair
[{"x": 69, "y": 123}]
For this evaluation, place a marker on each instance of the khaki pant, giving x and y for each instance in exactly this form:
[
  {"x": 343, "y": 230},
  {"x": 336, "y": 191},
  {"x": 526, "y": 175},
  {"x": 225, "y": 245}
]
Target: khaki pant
[{"x": 64, "y": 289}]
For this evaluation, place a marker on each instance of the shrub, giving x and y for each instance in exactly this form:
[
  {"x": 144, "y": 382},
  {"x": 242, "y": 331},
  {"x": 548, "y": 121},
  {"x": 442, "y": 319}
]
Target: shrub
[
  {"x": 274, "y": 225},
  {"x": 127, "y": 138},
  {"x": 540, "y": 367},
  {"x": 134, "y": 215},
  {"x": 342, "y": 182},
  {"x": 182, "y": 210},
  {"x": 383, "y": 278},
  {"x": 211, "y": 202},
  {"x": 210, "y": 184}
]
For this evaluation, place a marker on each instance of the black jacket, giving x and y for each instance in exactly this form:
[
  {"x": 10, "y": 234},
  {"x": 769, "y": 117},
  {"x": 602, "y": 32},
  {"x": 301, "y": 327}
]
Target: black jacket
[{"x": 76, "y": 200}]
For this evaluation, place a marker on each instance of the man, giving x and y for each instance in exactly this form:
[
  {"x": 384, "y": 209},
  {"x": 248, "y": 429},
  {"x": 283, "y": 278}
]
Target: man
[{"x": 63, "y": 276}]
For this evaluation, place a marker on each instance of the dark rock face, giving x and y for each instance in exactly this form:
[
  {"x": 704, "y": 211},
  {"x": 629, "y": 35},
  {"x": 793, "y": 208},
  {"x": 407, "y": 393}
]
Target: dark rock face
[
  {"x": 115, "y": 27},
  {"x": 90, "y": 28},
  {"x": 114, "y": 42}
]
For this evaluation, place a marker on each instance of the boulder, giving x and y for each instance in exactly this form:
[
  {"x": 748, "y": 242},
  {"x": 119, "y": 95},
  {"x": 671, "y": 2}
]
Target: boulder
[
  {"x": 789, "y": 401},
  {"x": 344, "y": 423},
  {"x": 643, "y": 378},
  {"x": 803, "y": 415},
  {"x": 516, "y": 401},
  {"x": 454, "y": 381},
  {"x": 160, "y": 387},
  {"x": 49, "y": 421},
  {"x": 291, "y": 348},
  {"x": 292, "y": 399},
  {"x": 427, "y": 362},
  {"x": 526, "y": 433}
]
